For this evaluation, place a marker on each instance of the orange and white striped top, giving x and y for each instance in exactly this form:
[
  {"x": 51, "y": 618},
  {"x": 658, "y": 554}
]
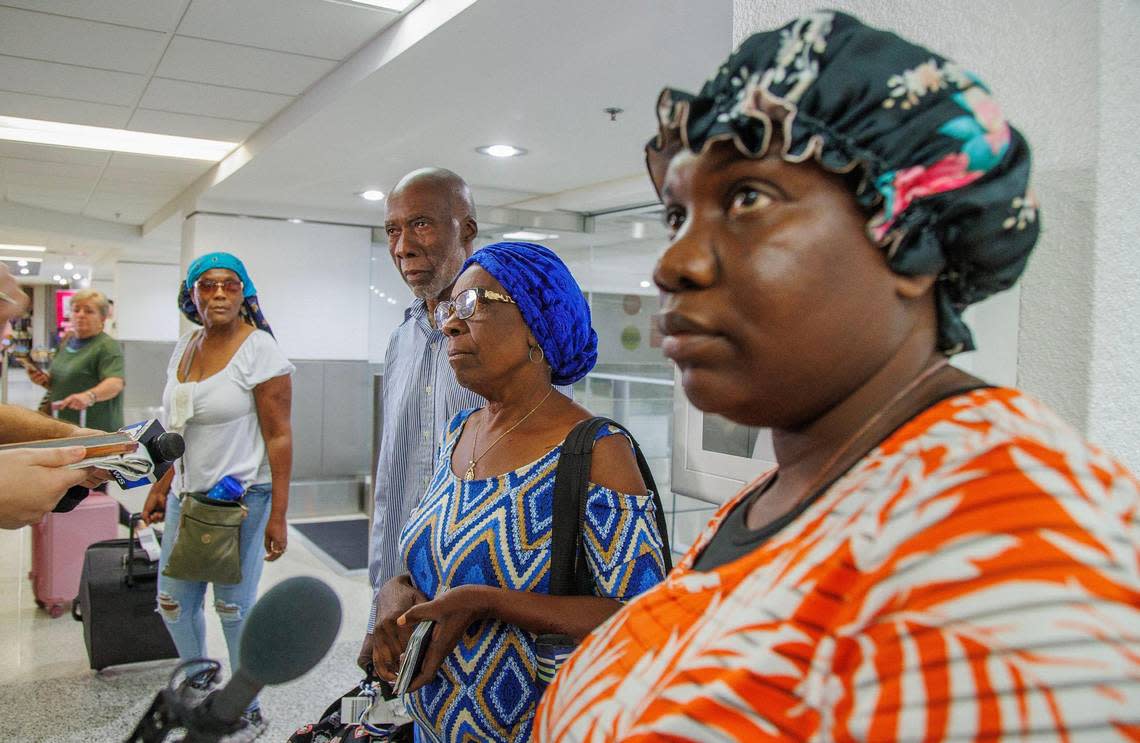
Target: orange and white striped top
[{"x": 975, "y": 577}]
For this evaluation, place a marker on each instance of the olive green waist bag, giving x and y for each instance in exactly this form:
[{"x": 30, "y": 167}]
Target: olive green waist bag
[{"x": 208, "y": 543}]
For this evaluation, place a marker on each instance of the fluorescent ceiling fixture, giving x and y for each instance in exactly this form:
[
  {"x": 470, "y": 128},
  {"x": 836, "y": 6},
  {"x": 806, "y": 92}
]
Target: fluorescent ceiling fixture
[
  {"x": 21, "y": 260},
  {"x": 501, "y": 150},
  {"x": 23, "y": 248},
  {"x": 525, "y": 235},
  {"x": 113, "y": 140},
  {"x": 372, "y": 195},
  {"x": 395, "y": 6}
]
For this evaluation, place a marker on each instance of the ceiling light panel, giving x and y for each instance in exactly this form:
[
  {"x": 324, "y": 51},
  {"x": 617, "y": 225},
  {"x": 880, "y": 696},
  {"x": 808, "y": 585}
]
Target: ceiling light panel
[
  {"x": 113, "y": 140},
  {"x": 396, "y": 6}
]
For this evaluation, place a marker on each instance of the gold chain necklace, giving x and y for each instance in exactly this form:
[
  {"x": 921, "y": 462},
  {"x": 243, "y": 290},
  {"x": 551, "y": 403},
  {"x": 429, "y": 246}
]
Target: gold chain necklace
[{"x": 470, "y": 473}]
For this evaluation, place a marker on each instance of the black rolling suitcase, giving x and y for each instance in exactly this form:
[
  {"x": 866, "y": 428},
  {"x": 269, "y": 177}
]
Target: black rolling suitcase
[{"x": 117, "y": 605}]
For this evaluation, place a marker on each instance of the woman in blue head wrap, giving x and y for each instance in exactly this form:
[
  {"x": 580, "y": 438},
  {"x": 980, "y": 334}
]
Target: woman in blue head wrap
[
  {"x": 517, "y": 325},
  {"x": 228, "y": 392}
]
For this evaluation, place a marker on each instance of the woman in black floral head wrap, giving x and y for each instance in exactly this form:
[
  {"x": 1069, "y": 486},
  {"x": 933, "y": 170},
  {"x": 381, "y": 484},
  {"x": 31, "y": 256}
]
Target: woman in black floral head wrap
[{"x": 933, "y": 558}]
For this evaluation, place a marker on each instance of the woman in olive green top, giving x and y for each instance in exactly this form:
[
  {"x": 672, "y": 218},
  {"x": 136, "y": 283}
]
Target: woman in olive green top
[{"x": 87, "y": 371}]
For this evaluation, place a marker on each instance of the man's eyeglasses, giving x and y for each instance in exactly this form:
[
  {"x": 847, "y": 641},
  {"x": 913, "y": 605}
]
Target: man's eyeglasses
[
  {"x": 466, "y": 302},
  {"x": 207, "y": 287}
]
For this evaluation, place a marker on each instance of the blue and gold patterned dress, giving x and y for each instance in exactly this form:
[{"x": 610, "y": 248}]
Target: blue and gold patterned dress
[{"x": 496, "y": 532}]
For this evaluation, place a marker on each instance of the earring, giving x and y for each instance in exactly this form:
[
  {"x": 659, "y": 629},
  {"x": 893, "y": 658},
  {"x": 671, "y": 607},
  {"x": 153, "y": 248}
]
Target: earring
[{"x": 541, "y": 355}]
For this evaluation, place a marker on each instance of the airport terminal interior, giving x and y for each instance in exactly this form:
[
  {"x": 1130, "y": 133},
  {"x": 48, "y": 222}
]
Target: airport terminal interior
[{"x": 285, "y": 124}]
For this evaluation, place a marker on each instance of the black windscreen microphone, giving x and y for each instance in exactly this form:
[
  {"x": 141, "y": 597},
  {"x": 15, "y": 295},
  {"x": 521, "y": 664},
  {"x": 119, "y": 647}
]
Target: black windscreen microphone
[{"x": 287, "y": 632}]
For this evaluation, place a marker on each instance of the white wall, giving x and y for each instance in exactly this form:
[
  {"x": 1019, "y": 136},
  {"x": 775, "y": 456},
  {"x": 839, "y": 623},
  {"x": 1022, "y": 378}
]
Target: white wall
[
  {"x": 311, "y": 278},
  {"x": 389, "y": 296},
  {"x": 146, "y": 306},
  {"x": 1077, "y": 341},
  {"x": 1114, "y": 399}
]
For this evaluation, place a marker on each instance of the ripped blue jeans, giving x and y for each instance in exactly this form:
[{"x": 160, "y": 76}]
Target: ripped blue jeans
[{"x": 182, "y": 602}]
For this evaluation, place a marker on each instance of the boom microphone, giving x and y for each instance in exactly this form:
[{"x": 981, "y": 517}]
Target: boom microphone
[{"x": 287, "y": 632}]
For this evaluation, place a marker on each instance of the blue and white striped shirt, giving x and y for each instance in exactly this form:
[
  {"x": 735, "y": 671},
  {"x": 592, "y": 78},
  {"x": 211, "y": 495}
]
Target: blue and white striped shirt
[{"x": 420, "y": 397}]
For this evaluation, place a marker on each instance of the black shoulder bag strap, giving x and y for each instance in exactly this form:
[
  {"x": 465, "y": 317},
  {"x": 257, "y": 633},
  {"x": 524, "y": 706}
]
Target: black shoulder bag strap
[{"x": 569, "y": 572}]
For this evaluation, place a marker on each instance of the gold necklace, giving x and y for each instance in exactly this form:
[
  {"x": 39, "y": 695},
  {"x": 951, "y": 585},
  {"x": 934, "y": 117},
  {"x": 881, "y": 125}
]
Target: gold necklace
[
  {"x": 871, "y": 422},
  {"x": 470, "y": 473}
]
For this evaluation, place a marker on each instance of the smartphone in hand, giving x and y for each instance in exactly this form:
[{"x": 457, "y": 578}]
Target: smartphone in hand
[{"x": 413, "y": 657}]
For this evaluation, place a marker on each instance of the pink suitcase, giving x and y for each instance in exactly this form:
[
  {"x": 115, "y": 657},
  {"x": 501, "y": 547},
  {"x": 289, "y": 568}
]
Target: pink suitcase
[{"x": 59, "y": 543}]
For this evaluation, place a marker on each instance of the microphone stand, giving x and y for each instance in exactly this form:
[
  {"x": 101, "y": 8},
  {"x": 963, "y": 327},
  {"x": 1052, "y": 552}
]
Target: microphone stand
[{"x": 171, "y": 710}]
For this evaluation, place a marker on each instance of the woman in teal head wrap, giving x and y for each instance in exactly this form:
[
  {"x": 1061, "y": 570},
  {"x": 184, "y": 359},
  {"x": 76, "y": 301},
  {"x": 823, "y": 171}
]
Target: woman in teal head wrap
[
  {"x": 250, "y": 310},
  {"x": 228, "y": 391}
]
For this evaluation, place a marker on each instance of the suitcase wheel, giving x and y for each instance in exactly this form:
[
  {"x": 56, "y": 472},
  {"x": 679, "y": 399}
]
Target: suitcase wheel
[{"x": 56, "y": 611}]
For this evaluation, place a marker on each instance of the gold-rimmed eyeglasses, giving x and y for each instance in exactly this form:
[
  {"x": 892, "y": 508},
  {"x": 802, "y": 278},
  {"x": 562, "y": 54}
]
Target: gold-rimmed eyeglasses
[{"x": 464, "y": 304}]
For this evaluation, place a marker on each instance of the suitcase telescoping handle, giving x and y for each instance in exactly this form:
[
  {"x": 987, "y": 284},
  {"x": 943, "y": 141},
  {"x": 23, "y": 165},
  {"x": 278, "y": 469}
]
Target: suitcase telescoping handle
[{"x": 135, "y": 519}]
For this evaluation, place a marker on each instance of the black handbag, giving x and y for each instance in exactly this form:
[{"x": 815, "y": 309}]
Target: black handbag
[
  {"x": 569, "y": 571},
  {"x": 333, "y": 727}
]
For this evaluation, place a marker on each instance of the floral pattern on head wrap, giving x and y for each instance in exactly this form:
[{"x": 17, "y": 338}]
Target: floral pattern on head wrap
[{"x": 942, "y": 174}]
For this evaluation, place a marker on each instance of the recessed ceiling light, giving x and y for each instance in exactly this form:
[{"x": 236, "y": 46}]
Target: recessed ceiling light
[
  {"x": 22, "y": 262},
  {"x": 114, "y": 140},
  {"x": 645, "y": 285},
  {"x": 23, "y": 248},
  {"x": 294, "y": 220},
  {"x": 638, "y": 230},
  {"x": 382, "y": 295},
  {"x": 372, "y": 195},
  {"x": 63, "y": 282},
  {"x": 525, "y": 235},
  {"x": 57, "y": 277},
  {"x": 76, "y": 276},
  {"x": 501, "y": 150},
  {"x": 68, "y": 266},
  {"x": 24, "y": 272}
]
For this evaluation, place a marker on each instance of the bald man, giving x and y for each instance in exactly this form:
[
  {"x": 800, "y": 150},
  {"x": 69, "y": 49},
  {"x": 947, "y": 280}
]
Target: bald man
[{"x": 431, "y": 231}]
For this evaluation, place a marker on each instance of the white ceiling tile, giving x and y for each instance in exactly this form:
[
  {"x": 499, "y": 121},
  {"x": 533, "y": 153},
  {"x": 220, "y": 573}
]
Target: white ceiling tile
[
  {"x": 204, "y": 61},
  {"x": 328, "y": 30},
  {"x": 116, "y": 208},
  {"x": 67, "y": 81},
  {"x": 17, "y": 170},
  {"x": 162, "y": 171},
  {"x": 196, "y": 98},
  {"x": 185, "y": 125},
  {"x": 28, "y": 106},
  {"x": 64, "y": 200},
  {"x": 73, "y": 41},
  {"x": 48, "y": 153},
  {"x": 158, "y": 15}
]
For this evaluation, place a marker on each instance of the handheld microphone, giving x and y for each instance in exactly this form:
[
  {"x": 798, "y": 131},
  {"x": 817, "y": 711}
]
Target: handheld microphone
[{"x": 287, "y": 632}]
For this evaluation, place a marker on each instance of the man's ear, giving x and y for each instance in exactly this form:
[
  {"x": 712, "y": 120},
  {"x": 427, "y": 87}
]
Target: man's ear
[
  {"x": 469, "y": 229},
  {"x": 913, "y": 287}
]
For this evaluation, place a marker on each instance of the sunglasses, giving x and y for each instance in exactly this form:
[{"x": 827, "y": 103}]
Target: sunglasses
[
  {"x": 206, "y": 287},
  {"x": 466, "y": 302}
]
